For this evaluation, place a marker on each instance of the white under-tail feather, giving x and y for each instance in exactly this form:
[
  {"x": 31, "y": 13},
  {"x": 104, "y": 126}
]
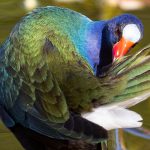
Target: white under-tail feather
[
  {"x": 115, "y": 115},
  {"x": 113, "y": 118}
]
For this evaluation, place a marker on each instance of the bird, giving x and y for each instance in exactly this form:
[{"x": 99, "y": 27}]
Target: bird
[{"x": 67, "y": 77}]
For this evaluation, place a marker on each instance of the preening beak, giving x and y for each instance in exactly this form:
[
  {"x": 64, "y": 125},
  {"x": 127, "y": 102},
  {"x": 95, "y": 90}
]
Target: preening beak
[{"x": 122, "y": 47}]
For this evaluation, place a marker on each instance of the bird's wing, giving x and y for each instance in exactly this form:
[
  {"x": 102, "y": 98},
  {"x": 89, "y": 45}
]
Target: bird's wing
[
  {"x": 133, "y": 71},
  {"x": 127, "y": 80},
  {"x": 126, "y": 84},
  {"x": 37, "y": 101},
  {"x": 31, "y": 86}
]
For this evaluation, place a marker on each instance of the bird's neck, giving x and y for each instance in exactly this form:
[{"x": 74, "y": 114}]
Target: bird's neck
[
  {"x": 106, "y": 56},
  {"x": 91, "y": 47}
]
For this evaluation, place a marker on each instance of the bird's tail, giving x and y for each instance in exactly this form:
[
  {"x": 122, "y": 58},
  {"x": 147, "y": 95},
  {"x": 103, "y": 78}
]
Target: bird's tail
[
  {"x": 125, "y": 84},
  {"x": 75, "y": 127}
]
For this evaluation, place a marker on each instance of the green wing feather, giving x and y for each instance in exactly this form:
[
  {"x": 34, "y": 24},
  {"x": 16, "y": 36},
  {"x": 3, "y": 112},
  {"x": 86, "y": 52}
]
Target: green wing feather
[
  {"x": 40, "y": 86},
  {"x": 131, "y": 77}
]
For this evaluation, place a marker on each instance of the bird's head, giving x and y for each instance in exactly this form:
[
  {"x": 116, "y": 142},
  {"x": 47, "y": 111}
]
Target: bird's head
[
  {"x": 125, "y": 31},
  {"x": 119, "y": 35}
]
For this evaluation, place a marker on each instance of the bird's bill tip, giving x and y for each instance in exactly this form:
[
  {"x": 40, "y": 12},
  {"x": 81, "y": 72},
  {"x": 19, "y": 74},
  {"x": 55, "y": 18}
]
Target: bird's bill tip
[{"x": 121, "y": 48}]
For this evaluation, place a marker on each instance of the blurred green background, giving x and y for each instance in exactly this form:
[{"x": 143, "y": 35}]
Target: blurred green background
[{"x": 11, "y": 11}]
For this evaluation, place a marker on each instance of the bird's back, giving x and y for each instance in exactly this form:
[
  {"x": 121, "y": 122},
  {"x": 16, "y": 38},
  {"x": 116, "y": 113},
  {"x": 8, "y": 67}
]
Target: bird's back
[{"x": 43, "y": 41}]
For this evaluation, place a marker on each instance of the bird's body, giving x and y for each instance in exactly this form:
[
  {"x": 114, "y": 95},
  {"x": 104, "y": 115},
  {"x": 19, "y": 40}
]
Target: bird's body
[
  {"x": 48, "y": 74},
  {"x": 61, "y": 60}
]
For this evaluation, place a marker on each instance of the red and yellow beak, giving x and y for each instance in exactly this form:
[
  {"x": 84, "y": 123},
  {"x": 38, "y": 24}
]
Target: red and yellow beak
[{"x": 122, "y": 47}]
